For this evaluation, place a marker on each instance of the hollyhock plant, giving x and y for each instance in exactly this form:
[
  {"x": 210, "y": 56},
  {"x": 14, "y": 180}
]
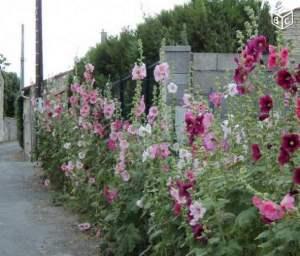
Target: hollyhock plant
[
  {"x": 265, "y": 103},
  {"x": 140, "y": 109},
  {"x": 288, "y": 202},
  {"x": 172, "y": 88},
  {"x": 139, "y": 72}
]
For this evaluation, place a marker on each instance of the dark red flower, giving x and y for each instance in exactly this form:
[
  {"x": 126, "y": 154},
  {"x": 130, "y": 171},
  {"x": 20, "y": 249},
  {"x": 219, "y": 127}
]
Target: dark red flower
[
  {"x": 290, "y": 142},
  {"x": 197, "y": 231},
  {"x": 256, "y": 154},
  {"x": 285, "y": 79},
  {"x": 240, "y": 75},
  {"x": 297, "y": 74},
  {"x": 241, "y": 89},
  {"x": 283, "y": 157},
  {"x": 183, "y": 190},
  {"x": 296, "y": 177},
  {"x": 176, "y": 209},
  {"x": 263, "y": 116},
  {"x": 265, "y": 103}
]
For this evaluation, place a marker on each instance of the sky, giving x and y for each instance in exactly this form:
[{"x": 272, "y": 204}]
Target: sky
[{"x": 71, "y": 27}]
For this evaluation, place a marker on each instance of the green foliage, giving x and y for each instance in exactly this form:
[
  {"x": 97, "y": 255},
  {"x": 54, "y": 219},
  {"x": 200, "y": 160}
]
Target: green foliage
[
  {"x": 11, "y": 89},
  {"x": 20, "y": 120}
]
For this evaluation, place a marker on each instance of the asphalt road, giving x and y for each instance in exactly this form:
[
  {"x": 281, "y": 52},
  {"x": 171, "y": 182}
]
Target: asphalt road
[{"x": 29, "y": 224}]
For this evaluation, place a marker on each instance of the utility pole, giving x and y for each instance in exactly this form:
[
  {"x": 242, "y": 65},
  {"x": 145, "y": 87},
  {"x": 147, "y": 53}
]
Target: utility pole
[
  {"x": 39, "y": 52},
  {"x": 22, "y": 58}
]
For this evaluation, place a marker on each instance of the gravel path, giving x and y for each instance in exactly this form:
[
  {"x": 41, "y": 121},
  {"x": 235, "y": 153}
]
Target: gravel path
[{"x": 29, "y": 224}]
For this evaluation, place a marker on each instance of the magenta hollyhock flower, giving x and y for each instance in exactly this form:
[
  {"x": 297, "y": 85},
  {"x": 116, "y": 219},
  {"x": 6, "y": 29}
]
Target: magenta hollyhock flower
[
  {"x": 283, "y": 157},
  {"x": 216, "y": 98},
  {"x": 265, "y": 103},
  {"x": 176, "y": 209},
  {"x": 110, "y": 194},
  {"x": 297, "y": 74},
  {"x": 161, "y": 72},
  {"x": 249, "y": 62},
  {"x": 85, "y": 110},
  {"x": 285, "y": 79},
  {"x": 296, "y": 176},
  {"x": 240, "y": 75},
  {"x": 298, "y": 108},
  {"x": 111, "y": 145},
  {"x": 241, "y": 89},
  {"x": 183, "y": 190},
  {"x": 288, "y": 202},
  {"x": 256, "y": 154},
  {"x": 272, "y": 60},
  {"x": 290, "y": 142},
  {"x": 139, "y": 72}
]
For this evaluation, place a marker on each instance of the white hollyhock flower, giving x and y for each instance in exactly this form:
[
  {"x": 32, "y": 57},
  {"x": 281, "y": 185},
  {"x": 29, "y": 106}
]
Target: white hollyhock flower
[
  {"x": 67, "y": 145},
  {"x": 232, "y": 89},
  {"x": 140, "y": 203},
  {"x": 172, "y": 88},
  {"x": 81, "y": 155},
  {"x": 143, "y": 130}
]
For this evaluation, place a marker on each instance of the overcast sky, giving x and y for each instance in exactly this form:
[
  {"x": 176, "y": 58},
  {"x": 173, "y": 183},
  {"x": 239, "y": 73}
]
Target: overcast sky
[{"x": 70, "y": 28}]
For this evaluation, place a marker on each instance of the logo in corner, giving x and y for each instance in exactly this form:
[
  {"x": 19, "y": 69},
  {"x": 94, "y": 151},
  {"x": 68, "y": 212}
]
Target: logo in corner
[{"x": 282, "y": 17}]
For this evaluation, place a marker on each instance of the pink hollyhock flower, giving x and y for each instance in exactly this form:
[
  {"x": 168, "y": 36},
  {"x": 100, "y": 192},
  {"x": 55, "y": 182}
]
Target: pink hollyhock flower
[
  {"x": 216, "y": 98},
  {"x": 153, "y": 113},
  {"x": 174, "y": 192},
  {"x": 256, "y": 154},
  {"x": 196, "y": 213},
  {"x": 131, "y": 130},
  {"x": 75, "y": 88},
  {"x": 272, "y": 49},
  {"x": 109, "y": 110},
  {"x": 140, "y": 108},
  {"x": 111, "y": 144},
  {"x": 283, "y": 157},
  {"x": 271, "y": 211},
  {"x": 208, "y": 119},
  {"x": 256, "y": 201},
  {"x": 298, "y": 108},
  {"x": 290, "y": 142},
  {"x": 288, "y": 202},
  {"x": 93, "y": 97},
  {"x": 85, "y": 110},
  {"x": 284, "y": 57},
  {"x": 139, "y": 72},
  {"x": 84, "y": 227},
  {"x": 58, "y": 111},
  {"x": 296, "y": 177},
  {"x": 190, "y": 175},
  {"x": 74, "y": 100},
  {"x": 98, "y": 129},
  {"x": 209, "y": 142},
  {"x": 116, "y": 125},
  {"x": 272, "y": 60},
  {"x": 110, "y": 194},
  {"x": 265, "y": 103},
  {"x": 164, "y": 150},
  {"x": 89, "y": 67},
  {"x": 161, "y": 72},
  {"x": 285, "y": 79}
]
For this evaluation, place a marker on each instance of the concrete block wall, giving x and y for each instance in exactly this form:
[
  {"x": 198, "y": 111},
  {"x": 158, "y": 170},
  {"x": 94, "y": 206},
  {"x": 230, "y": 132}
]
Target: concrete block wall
[{"x": 10, "y": 129}]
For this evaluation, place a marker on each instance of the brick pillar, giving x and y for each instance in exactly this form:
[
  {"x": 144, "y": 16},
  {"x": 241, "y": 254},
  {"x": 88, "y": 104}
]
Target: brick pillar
[
  {"x": 179, "y": 59},
  {"x": 293, "y": 33}
]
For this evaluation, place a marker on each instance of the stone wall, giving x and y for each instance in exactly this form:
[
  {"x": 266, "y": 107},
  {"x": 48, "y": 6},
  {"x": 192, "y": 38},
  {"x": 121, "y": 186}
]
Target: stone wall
[
  {"x": 293, "y": 33},
  {"x": 10, "y": 129}
]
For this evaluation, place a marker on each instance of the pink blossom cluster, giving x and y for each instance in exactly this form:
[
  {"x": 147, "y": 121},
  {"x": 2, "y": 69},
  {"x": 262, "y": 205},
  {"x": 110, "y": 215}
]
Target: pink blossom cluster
[
  {"x": 139, "y": 72},
  {"x": 67, "y": 168},
  {"x": 110, "y": 194},
  {"x": 88, "y": 74},
  {"x": 271, "y": 211},
  {"x": 278, "y": 59},
  {"x": 162, "y": 72},
  {"x": 140, "y": 108},
  {"x": 159, "y": 151}
]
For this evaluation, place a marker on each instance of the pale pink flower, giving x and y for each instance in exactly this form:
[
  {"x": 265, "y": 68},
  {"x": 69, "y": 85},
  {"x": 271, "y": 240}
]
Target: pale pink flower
[
  {"x": 256, "y": 201},
  {"x": 174, "y": 192},
  {"x": 197, "y": 212},
  {"x": 46, "y": 182},
  {"x": 89, "y": 67},
  {"x": 125, "y": 176},
  {"x": 124, "y": 144},
  {"x": 208, "y": 119},
  {"x": 109, "y": 110},
  {"x": 85, "y": 110},
  {"x": 131, "y": 130},
  {"x": 187, "y": 100},
  {"x": 161, "y": 72},
  {"x": 164, "y": 150},
  {"x": 93, "y": 97},
  {"x": 153, "y": 113},
  {"x": 75, "y": 88},
  {"x": 84, "y": 226},
  {"x": 288, "y": 202},
  {"x": 139, "y": 72},
  {"x": 98, "y": 129},
  {"x": 113, "y": 136},
  {"x": 92, "y": 181}
]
